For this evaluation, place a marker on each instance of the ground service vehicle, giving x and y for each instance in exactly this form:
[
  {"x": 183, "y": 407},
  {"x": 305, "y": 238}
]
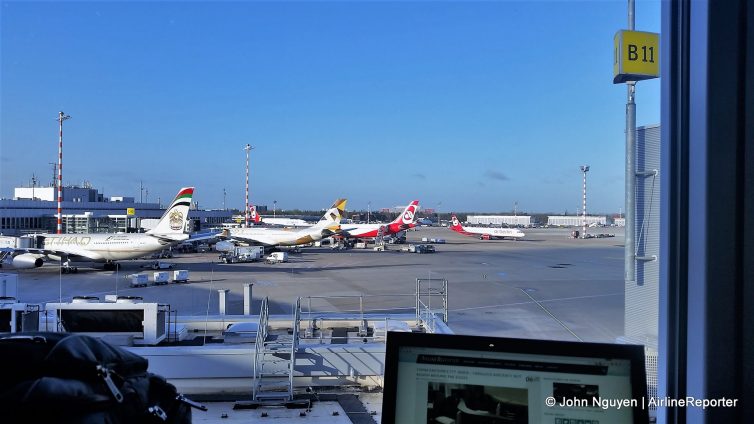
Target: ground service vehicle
[
  {"x": 242, "y": 254},
  {"x": 277, "y": 257}
]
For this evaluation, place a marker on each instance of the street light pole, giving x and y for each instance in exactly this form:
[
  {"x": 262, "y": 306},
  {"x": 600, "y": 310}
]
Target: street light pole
[{"x": 369, "y": 211}]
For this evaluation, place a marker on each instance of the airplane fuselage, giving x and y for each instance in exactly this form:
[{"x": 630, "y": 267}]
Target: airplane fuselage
[
  {"x": 371, "y": 230},
  {"x": 286, "y": 222},
  {"x": 492, "y": 233},
  {"x": 104, "y": 247},
  {"x": 279, "y": 237}
]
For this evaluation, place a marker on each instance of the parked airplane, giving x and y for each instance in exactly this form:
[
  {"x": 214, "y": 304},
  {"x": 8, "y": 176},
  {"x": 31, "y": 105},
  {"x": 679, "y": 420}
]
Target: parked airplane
[
  {"x": 103, "y": 247},
  {"x": 404, "y": 221},
  {"x": 485, "y": 233},
  {"x": 282, "y": 222},
  {"x": 327, "y": 226}
]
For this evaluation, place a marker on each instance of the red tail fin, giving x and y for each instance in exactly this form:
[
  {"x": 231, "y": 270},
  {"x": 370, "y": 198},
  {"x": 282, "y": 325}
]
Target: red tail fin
[
  {"x": 408, "y": 216},
  {"x": 405, "y": 220},
  {"x": 255, "y": 217},
  {"x": 455, "y": 225}
]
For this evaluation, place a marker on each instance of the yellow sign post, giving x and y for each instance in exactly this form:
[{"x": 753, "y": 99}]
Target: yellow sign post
[{"x": 636, "y": 56}]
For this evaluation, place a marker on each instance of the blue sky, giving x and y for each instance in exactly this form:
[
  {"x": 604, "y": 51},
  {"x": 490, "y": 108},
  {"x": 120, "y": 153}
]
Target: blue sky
[{"x": 469, "y": 105}]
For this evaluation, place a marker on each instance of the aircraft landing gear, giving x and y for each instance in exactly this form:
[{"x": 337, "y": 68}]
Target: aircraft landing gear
[
  {"x": 111, "y": 266},
  {"x": 67, "y": 269}
]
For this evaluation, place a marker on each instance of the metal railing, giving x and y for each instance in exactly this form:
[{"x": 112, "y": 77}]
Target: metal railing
[
  {"x": 264, "y": 316},
  {"x": 426, "y": 290},
  {"x": 294, "y": 344},
  {"x": 360, "y": 313}
]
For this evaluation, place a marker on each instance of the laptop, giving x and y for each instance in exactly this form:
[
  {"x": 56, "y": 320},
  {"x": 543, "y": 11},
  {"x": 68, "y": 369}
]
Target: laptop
[{"x": 453, "y": 379}]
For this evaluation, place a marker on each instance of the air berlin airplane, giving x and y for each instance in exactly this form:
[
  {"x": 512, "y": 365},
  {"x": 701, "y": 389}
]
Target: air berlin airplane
[
  {"x": 485, "y": 233},
  {"x": 404, "y": 221}
]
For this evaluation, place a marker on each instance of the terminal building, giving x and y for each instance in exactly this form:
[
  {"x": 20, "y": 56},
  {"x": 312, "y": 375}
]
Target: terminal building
[
  {"x": 575, "y": 220},
  {"x": 86, "y": 210},
  {"x": 513, "y": 220}
]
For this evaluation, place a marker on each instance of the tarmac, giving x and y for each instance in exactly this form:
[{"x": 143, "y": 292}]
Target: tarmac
[{"x": 545, "y": 286}]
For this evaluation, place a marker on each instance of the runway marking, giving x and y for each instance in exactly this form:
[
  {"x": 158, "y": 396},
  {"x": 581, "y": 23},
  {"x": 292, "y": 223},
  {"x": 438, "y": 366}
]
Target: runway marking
[
  {"x": 541, "y": 301},
  {"x": 551, "y": 314}
]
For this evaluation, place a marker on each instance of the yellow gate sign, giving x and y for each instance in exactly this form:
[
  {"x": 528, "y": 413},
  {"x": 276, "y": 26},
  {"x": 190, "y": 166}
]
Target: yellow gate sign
[
  {"x": 636, "y": 56},
  {"x": 131, "y": 211}
]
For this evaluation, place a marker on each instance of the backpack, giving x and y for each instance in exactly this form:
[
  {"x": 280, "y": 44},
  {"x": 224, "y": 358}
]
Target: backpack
[{"x": 72, "y": 378}]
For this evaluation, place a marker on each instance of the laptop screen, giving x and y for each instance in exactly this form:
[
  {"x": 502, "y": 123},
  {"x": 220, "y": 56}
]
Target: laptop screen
[{"x": 464, "y": 379}]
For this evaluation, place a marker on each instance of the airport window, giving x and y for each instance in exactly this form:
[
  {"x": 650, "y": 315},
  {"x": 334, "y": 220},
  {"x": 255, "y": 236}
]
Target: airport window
[{"x": 501, "y": 118}]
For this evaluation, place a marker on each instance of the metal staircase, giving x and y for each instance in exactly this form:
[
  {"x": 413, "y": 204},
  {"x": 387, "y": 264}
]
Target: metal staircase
[{"x": 275, "y": 358}]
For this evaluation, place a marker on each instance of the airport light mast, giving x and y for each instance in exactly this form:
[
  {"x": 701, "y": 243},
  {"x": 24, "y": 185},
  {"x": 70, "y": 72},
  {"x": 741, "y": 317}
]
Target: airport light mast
[
  {"x": 634, "y": 61},
  {"x": 584, "y": 170},
  {"x": 61, "y": 117},
  {"x": 248, "y": 149}
]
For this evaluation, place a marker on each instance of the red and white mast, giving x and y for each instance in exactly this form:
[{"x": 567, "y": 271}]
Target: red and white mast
[
  {"x": 61, "y": 117},
  {"x": 248, "y": 149}
]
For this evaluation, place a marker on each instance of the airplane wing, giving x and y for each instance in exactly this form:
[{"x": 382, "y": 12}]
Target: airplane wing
[
  {"x": 208, "y": 235},
  {"x": 171, "y": 238}
]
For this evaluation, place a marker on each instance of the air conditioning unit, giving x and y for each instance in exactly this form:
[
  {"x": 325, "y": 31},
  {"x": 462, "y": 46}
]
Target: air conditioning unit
[{"x": 146, "y": 322}]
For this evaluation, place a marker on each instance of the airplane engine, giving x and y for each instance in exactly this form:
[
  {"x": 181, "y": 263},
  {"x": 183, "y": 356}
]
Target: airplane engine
[{"x": 27, "y": 260}]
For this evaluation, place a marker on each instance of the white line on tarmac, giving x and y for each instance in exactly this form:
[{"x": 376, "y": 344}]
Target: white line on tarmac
[{"x": 531, "y": 302}]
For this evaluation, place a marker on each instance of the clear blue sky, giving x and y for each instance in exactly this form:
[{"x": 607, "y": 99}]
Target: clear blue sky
[{"x": 472, "y": 105}]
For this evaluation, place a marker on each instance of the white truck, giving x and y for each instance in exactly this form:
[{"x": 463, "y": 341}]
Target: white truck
[
  {"x": 180, "y": 276},
  {"x": 161, "y": 277},
  {"x": 242, "y": 254},
  {"x": 161, "y": 265},
  {"x": 276, "y": 257},
  {"x": 139, "y": 280}
]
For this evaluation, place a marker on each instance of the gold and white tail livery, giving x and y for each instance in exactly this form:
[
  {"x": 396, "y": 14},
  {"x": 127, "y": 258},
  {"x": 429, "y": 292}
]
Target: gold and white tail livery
[
  {"x": 333, "y": 215},
  {"x": 173, "y": 222}
]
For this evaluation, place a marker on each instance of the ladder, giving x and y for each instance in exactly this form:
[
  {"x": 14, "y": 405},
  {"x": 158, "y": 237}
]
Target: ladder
[{"x": 275, "y": 358}]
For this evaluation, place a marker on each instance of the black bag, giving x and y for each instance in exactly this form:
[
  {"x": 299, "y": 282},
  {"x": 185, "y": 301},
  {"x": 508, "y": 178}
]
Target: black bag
[{"x": 71, "y": 378}]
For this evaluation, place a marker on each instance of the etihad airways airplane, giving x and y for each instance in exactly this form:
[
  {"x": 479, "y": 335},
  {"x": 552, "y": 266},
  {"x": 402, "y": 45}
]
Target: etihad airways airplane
[
  {"x": 485, "y": 233},
  {"x": 327, "y": 226},
  {"x": 404, "y": 221},
  {"x": 102, "y": 247}
]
